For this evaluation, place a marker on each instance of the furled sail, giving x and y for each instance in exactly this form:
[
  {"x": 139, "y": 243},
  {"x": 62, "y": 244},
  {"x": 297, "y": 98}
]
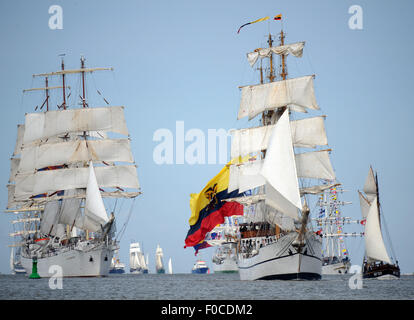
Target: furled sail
[
  {"x": 51, "y": 154},
  {"x": 51, "y": 123},
  {"x": 295, "y": 49},
  {"x": 28, "y": 185},
  {"x": 279, "y": 170},
  {"x": 297, "y": 93},
  {"x": 374, "y": 243}
]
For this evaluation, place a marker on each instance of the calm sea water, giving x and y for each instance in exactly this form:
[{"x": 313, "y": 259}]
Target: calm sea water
[{"x": 202, "y": 287}]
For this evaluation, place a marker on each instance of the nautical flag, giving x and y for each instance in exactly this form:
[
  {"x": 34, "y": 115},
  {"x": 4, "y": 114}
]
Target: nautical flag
[
  {"x": 278, "y": 17},
  {"x": 208, "y": 207},
  {"x": 201, "y": 245},
  {"x": 258, "y": 20}
]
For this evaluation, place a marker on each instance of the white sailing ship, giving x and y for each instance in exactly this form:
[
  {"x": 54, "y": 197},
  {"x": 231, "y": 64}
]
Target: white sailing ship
[
  {"x": 137, "y": 263},
  {"x": 15, "y": 263},
  {"x": 63, "y": 165},
  {"x": 159, "y": 263},
  {"x": 224, "y": 238},
  {"x": 277, "y": 241},
  {"x": 331, "y": 224},
  {"x": 377, "y": 261}
]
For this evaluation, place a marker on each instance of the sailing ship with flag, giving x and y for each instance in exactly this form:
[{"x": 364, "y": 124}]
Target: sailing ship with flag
[
  {"x": 65, "y": 162},
  {"x": 331, "y": 224},
  {"x": 287, "y": 162},
  {"x": 377, "y": 261},
  {"x": 224, "y": 238}
]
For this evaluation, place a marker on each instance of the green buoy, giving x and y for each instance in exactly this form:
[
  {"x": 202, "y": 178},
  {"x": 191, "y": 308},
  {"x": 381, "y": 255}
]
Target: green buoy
[{"x": 34, "y": 274}]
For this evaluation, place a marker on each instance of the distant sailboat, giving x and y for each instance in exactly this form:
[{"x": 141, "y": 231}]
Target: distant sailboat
[
  {"x": 15, "y": 264},
  {"x": 137, "y": 262},
  {"x": 377, "y": 262},
  {"x": 159, "y": 264},
  {"x": 170, "y": 266}
]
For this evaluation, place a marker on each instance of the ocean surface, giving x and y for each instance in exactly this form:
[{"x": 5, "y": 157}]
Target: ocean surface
[{"x": 201, "y": 287}]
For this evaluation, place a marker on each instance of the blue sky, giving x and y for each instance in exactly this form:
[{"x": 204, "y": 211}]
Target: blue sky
[{"x": 183, "y": 61}]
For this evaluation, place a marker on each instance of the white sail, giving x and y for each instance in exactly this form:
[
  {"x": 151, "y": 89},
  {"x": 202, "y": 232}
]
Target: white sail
[
  {"x": 14, "y": 164},
  {"x": 309, "y": 132},
  {"x": 46, "y": 181},
  {"x": 170, "y": 266},
  {"x": 49, "y": 221},
  {"x": 279, "y": 169},
  {"x": 315, "y": 164},
  {"x": 52, "y": 154},
  {"x": 19, "y": 141},
  {"x": 245, "y": 141},
  {"x": 95, "y": 213},
  {"x": 374, "y": 243},
  {"x": 370, "y": 186},
  {"x": 12, "y": 259},
  {"x": 306, "y": 133},
  {"x": 71, "y": 209},
  {"x": 295, "y": 49},
  {"x": 297, "y": 93},
  {"x": 364, "y": 204},
  {"x": 51, "y": 123},
  {"x": 246, "y": 176}
]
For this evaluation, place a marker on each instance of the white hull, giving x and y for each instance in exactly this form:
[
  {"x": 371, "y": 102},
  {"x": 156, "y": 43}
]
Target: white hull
[
  {"x": 387, "y": 277},
  {"x": 228, "y": 265},
  {"x": 336, "y": 268},
  {"x": 95, "y": 262},
  {"x": 280, "y": 260}
]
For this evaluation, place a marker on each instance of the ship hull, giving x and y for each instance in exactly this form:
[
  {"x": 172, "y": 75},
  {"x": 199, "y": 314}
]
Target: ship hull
[
  {"x": 227, "y": 266},
  {"x": 200, "y": 270},
  {"x": 138, "y": 271},
  {"x": 381, "y": 272},
  {"x": 336, "y": 268},
  {"x": 281, "y": 261},
  {"x": 117, "y": 271},
  {"x": 74, "y": 263}
]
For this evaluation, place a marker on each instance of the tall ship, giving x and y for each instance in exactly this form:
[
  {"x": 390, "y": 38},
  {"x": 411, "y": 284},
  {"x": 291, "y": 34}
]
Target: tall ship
[
  {"x": 377, "y": 261},
  {"x": 331, "y": 224},
  {"x": 284, "y": 161},
  {"x": 66, "y": 161},
  {"x": 15, "y": 263},
  {"x": 224, "y": 238},
  {"x": 116, "y": 265},
  {"x": 159, "y": 262},
  {"x": 200, "y": 267},
  {"x": 137, "y": 263}
]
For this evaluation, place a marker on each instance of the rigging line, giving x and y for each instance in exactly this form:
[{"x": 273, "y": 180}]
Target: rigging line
[
  {"x": 122, "y": 231},
  {"x": 387, "y": 233}
]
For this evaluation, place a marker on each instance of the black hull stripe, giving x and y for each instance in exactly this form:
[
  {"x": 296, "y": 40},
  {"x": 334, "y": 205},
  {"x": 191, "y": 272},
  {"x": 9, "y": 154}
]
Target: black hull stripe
[
  {"x": 294, "y": 276},
  {"x": 291, "y": 255}
]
